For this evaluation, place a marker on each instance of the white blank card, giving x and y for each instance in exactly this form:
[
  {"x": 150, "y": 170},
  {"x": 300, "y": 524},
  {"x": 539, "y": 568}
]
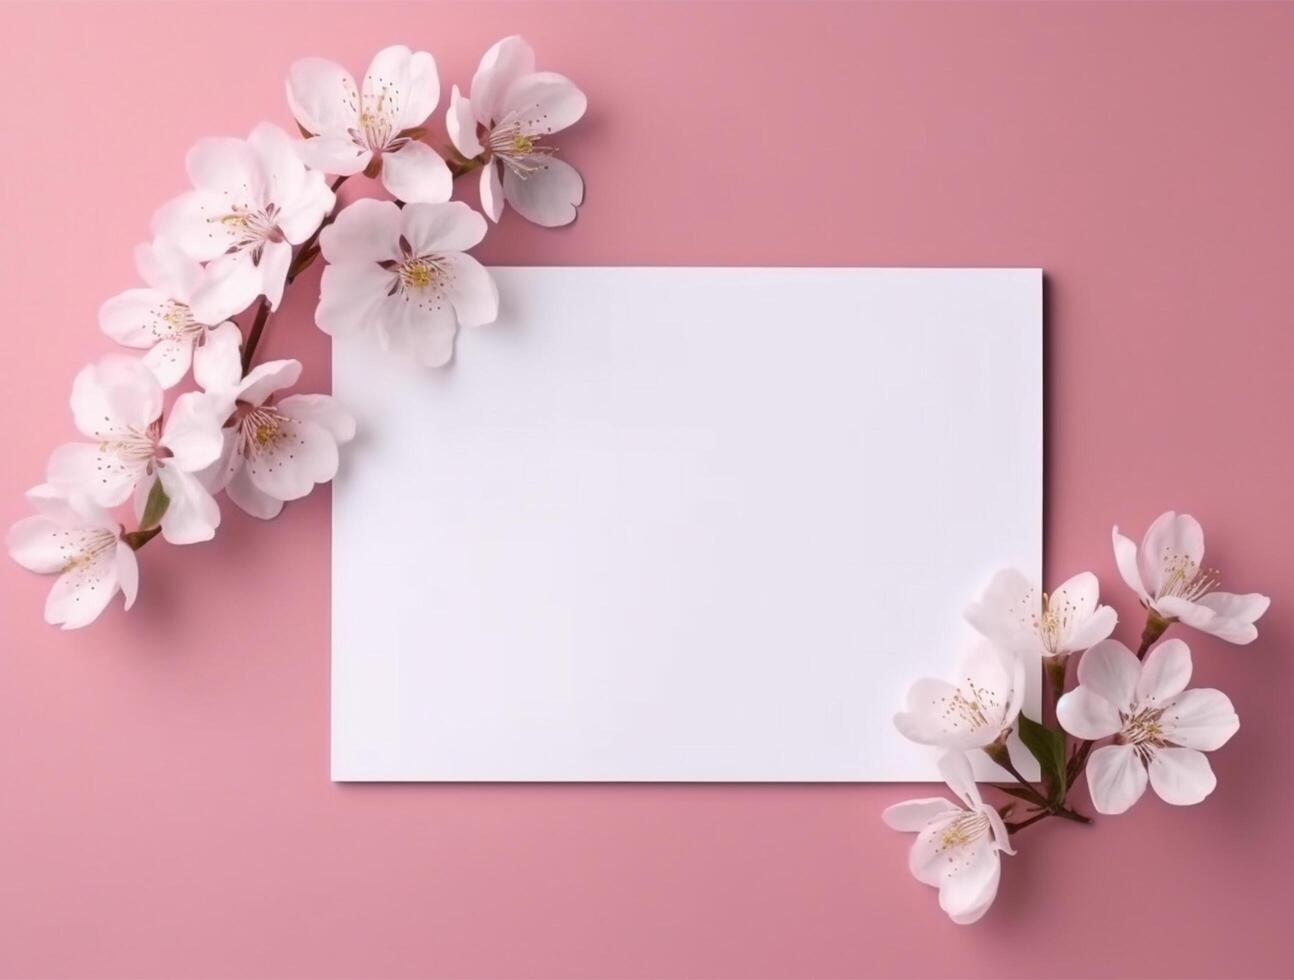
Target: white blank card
[{"x": 693, "y": 524}]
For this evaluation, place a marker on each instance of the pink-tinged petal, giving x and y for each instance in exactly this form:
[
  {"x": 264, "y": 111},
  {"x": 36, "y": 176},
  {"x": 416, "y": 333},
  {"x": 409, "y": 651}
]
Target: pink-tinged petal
[
  {"x": 192, "y": 514},
  {"x": 424, "y": 334},
  {"x": 492, "y": 191},
  {"x": 1078, "y": 595},
  {"x": 364, "y": 231},
  {"x": 303, "y": 213},
  {"x": 1110, "y": 670},
  {"x": 402, "y": 85},
  {"x": 471, "y": 289},
  {"x": 127, "y": 573},
  {"x": 323, "y": 96},
  {"x": 1173, "y": 544},
  {"x": 165, "y": 268},
  {"x": 1116, "y": 778},
  {"x": 1182, "y": 777},
  {"x": 267, "y": 378},
  {"x": 84, "y": 591},
  {"x": 115, "y": 395},
  {"x": 930, "y": 857},
  {"x": 967, "y": 892},
  {"x": 1206, "y": 620},
  {"x": 928, "y": 722},
  {"x": 461, "y": 125},
  {"x": 1125, "y": 557},
  {"x": 505, "y": 62},
  {"x": 334, "y": 155},
  {"x": 350, "y": 296},
  {"x": 956, "y": 771},
  {"x": 69, "y": 509},
  {"x": 249, "y": 499},
  {"x": 415, "y": 173},
  {"x": 1093, "y": 630},
  {"x": 548, "y": 196},
  {"x": 137, "y": 318},
  {"x": 1202, "y": 719},
  {"x": 1008, "y": 612},
  {"x": 1085, "y": 714},
  {"x": 289, "y": 465},
  {"x": 225, "y": 165},
  {"x": 193, "y": 431},
  {"x": 231, "y": 282},
  {"x": 38, "y": 544},
  {"x": 324, "y": 411},
  {"x": 217, "y": 362},
  {"x": 449, "y": 227},
  {"x": 169, "y": 360},
  {"x": 543, "y": 102},
  {"x": 94, "y": 469},
  {"x": 998, "y": 677},
  {"x": 276, "y": 259},
  {"x": 913, "y": 815},
  {"x": 192, "y": 221},
  {"x": 1236, "y": 613},
  {"x": 1164, "y": 674},
  {"x": 217, "y": 476}
]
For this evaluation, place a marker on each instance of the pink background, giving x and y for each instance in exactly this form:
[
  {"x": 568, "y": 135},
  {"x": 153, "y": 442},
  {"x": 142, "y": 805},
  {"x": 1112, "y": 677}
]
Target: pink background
[{"x": 166, "y": 809}]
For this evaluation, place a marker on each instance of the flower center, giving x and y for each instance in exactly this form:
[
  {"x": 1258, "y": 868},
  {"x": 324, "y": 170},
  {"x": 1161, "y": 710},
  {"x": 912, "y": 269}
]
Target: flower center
[
  {"x": 421, "y": 272},
  {"x": 518, "y": 148},
  {"x": 178, "y": 319},
  {"x": 1054, "y": 622},
  {"x": 253, "y": 228},
  {"x": 1143, "y": 731},
  {"x": 972, "y": 706},
  {"x": 134, "y": 446},
  {"x": 966, "y": 829},
  {"x": 1185, "y": 579},
  {"x": 261, "y": 428},
  {"x": 81, "y": 549}
]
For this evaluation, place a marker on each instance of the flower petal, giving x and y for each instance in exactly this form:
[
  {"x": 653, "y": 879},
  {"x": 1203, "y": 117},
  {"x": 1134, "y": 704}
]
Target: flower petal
[
  {"x": 192, "y": 221},
  {"x": 1110, "y": 670},
  {"x": 192, "y": 431},
  {"x": 461, "y": 125},
  {"x": 231, "y": 282},
  {"x": 364, "y": 231},
  {"x": 1182, "y": 777},
  {"x": 136, "y": 318},
  {"x": 1085, "y": 714},
  {"x": 165, "y": 268},
  {"x": 115, "y": 395},
  {"x": 1202, "y": 718},
  {"x": 1115, "y": 778},
  {"x": 549, "y": 196},
  {"x": 471, "y": 289},
  {"x": 403, "y": 85},
  {"x": 38, "y": 544},
  {"x": 913, "y": 815},
  {"x": 95, "y": 470},
  {"x": 289, "y": 466},
  {"x": 492, "y": 191},
  {"x": 249, "y": 498},
  {"x": 267, "y": 378},
  {"x": 323, "y": 96},
  {"x": 127, "y": 573},
  {"x": 449, "y": 227},
  {"x": 227, "y": 166},
  {"x": 324, "y": 411},
  {"x": 217, "y": 363},
  {"x": 957, "y": 773},
  {"x": 1125, "y": 557},
  {"x": 1245, "y": 608},
  {"x": 1206, "y": 620},
  {"x": 544, "y": 102},
  {"x": 928, "y": 720},
  {"x": 169, "y": 360},
  {"x": 967, "y": 893},
  {"x": 334, "y": 155},
  {"x": 423, "y": 333},
  {"x": 350, "y": 296},
  {"x": 1164, "y": 674},
  {"x": 415, "y": 173},
  {"x": 1008, "y": 611},
  {"x": 505, "y": 62},
  {"x": 1097, "y": 627},
  {"x": 1173, "y": 541},
  {"x": 83, "y": 592},
  {"x": 192, "y": 514}
]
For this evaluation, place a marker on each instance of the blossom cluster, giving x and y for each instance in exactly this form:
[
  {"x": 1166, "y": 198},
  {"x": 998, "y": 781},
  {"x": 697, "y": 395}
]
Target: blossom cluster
[
  {"x": 261, "y": 210},
  {"x": 1157, "y": 728}
]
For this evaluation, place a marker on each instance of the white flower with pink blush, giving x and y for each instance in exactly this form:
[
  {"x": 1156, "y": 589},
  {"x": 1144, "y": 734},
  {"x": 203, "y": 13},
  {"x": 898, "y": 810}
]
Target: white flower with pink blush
[
  {"x": 275, "y": 448},
  {"x": 74, "y": 538},
  {"x": 159, "y": 319},
  {"x": 404, "y": 274},
  {"x": 118, "y": 403},
  {"x": 1015, "y": 614},
  {"x": 512, "y": 112},
  {"x": 958, "y": 848},
  {"x": 252, "y": 200},
  {"x": 372, "y": 130},
  {"x": 976, "y": 711},
  {"x": 1168, "y": 574},
  {"x": 1161, "y": 730}
]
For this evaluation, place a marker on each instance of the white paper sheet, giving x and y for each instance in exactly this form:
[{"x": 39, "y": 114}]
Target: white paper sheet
[{"x": 700, "y": 524}]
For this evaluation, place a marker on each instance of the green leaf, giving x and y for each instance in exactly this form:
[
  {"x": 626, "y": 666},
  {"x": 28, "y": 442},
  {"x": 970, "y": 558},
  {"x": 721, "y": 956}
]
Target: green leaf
[
  {"x": 1047, "y": 745},
  {"x": 154, "y": 507}
]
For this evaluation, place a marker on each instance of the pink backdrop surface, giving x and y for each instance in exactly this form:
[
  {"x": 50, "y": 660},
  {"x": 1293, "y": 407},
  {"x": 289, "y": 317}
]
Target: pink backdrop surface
[{"x": 165, "y": 807}]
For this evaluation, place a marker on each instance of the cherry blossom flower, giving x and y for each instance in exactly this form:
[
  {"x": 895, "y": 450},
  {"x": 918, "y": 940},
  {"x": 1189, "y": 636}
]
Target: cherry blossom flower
[
  {"x": 118, "y": 403},
  {"x": 958, "y": 848},
  {"x": 252, "y": 200},
  {"x": 77, "y": 540},
  {"x": 974, "y": 713},
  {"x": 159, "y": 319},
  {"x": 373, "y": 130},
  {"x": 1016, "y": 616},
  {"x": 275, "y": 449},
  {"x": 1168, "y": 576},
  {"x": 1161, "y": 730},
  {"x": 510, "y": 114},
  {"x": 403, "y": 272}
]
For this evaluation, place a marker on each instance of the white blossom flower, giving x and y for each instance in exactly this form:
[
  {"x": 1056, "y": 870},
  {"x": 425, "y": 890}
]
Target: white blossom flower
[
  {"x": 958, "y": 848},
  {"x": 118, "y": 403},
  {"x": 1161, "y": 729},
  {"x": 159, "y": 318},
  {"x": 252, "y": 200},
  {"x": 275, "y": 449},
  {"x": 512, "y": 111},
  {"x": 975, "y": 712},
  {"x": 1014, "y": 614},
  {"x": 80, "y": 542},
  {"x": 1168, "y": 576},
  {"x": 373, "y": 130},
  {"x": 403, "y": 272}
]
